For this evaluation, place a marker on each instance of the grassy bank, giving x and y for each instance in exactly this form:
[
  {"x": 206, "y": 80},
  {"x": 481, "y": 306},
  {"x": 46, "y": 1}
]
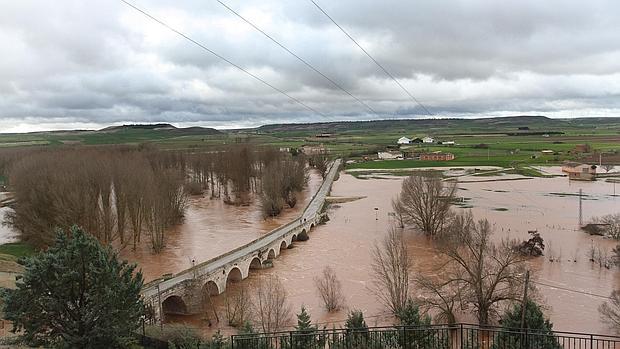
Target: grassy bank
[{"x": 17, "y": 249}]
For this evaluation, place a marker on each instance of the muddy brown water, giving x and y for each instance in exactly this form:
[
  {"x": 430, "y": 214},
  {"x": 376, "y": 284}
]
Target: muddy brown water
[
  {"x": 571, "y": 290},
  {"x": 209, "y": 229}
]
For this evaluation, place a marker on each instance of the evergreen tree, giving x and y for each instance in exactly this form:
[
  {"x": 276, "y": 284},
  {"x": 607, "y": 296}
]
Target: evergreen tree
[
  {"x": 539, "y": 328},
  {"x": 305, "y": 334},
  {"x": 357, "y": 330},
  {"x": 410, "y": 316},
  {"x": 303, "y": 321},
  {"x": 249, "y": 338},
  {"x": 355, "y": 321},
  {"x": 415, "y": 328},
  {"x": 77, "y": 294}
]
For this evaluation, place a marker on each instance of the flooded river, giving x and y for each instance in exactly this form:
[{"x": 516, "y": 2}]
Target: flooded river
[
  {"x": 571, "y": 290},
  {"x": 209, "y": 229}
]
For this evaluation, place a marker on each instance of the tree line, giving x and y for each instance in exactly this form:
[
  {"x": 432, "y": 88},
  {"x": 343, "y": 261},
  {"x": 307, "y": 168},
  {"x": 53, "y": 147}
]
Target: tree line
[{"x": 124, "y": 193}]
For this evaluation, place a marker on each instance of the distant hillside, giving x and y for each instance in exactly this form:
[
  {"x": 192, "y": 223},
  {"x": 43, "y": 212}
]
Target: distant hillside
[
  {"x": 496, "y": 124},
  {"x": 163, "y": 128}
]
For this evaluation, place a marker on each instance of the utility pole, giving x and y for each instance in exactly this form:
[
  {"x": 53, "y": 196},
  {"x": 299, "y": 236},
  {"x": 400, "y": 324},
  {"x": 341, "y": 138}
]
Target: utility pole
[
  {"x": 580, "y": 209},
  {"x": 523, "y": 304}
]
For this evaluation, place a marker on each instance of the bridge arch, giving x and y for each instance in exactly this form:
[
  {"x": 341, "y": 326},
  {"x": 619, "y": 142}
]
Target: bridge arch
[
  {"x": 283, "y": 245},
  {"x": 271, "y": 254},
  {"x": 255, "y": 264},
  {"x": 294, "y": 237},
  {"x": 234, "y": 275},
  {"x": 211, "y": 288},
  {"x": 303, "y": 236},
  {"x": 174, "y": 305}
]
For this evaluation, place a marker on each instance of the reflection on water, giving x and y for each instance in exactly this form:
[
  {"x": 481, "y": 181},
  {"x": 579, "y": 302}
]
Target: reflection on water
[{"x": 345, "y": 244}]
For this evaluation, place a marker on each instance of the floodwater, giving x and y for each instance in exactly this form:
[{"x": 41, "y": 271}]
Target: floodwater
[
  {"x": 6, "y": 234},
  {"x": 571, "y": 290},
  {"x": 209, "y": 229}
]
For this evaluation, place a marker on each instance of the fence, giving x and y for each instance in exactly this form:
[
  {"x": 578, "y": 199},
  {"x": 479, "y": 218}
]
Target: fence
[{"x": 458, "y": 336}]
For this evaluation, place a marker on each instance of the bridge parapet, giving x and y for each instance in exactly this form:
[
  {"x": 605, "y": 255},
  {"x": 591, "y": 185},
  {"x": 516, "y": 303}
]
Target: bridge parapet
[{"x": 185, "y": 292}]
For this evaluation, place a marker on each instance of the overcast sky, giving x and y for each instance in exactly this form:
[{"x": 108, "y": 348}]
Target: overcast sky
[{"x": 90, "y": 64}]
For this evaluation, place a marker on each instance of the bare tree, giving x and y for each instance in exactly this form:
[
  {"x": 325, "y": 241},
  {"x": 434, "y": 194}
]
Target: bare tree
[
  {"x": 610, "y": 311},
  {"x": 607, "y": 167},
  {"x": 320, "y": 162},
  {"x": 443, "y": 296},
  {"x": 487, "y": 273},
  {"x": 612, "y": 225},
  {"x": 330, "y": 289},
  {"x": 238, "y": 307},
  {"x": 270, "y": 305},
  {"x": 391, "y": 268},
  {"x": 424, "y": 202}
]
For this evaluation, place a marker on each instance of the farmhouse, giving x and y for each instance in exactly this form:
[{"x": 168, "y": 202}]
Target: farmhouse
[
  {"x": 428, "y": 139},
  {"x": 389, "y": 155},
  {"x": 403, "y": 140},
  {"x": 313, "y": 149},
  {"x": 578, "y": 171},
  {"x": 437, "y": 156}
]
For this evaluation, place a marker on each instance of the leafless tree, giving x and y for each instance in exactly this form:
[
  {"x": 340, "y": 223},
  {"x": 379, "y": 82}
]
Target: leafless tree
[
  {"x": 612, "y": 225},
  {"x": 424, "y": 202},
  {"x": 319, "y": 161},
  {"x": 391, "y": 270},
  {"x": 487, "y": 273},
  {"x": 442, "y": 295},
  {"x": 330, "y": 289},
  {"x": 607, "y": 167},
  {"x": 270, "y": 304},
  {"x": 610, "y": 311},
  {"x": 238, "y": 306}
]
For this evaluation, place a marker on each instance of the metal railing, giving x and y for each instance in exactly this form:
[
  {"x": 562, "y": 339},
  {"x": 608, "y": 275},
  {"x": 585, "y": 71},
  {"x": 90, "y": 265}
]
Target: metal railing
[{"x": 458, "y": 336}]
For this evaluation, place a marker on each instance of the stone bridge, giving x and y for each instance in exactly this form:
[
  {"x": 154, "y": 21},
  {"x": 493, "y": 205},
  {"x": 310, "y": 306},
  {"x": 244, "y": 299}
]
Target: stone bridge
[{"x": 189, "y": 291}]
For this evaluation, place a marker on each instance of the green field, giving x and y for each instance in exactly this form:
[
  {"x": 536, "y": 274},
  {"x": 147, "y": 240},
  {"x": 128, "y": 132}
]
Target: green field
[
  {"x": 507, "y": 141},
  {"x": 17, "y": 249}
]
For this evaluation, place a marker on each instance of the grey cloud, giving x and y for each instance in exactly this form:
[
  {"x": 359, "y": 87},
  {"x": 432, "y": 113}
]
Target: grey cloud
[{"x": 93, "y": 63}]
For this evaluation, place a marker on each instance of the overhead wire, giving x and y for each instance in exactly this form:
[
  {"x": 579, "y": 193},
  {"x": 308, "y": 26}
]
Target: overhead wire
[
  {"x": 202, "y": 46},
  {"x": 334, "y": 83},
  {"x": 373, "y": 59}
]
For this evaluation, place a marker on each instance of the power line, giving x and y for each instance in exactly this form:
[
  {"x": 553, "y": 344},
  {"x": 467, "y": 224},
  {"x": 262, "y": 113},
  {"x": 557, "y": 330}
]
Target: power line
[
  {"x": 186, "y": 37},
  {"x": 373, "y": 59},
  {"x": 297, "y": 56},
  {"x": 571, "y": 290}
]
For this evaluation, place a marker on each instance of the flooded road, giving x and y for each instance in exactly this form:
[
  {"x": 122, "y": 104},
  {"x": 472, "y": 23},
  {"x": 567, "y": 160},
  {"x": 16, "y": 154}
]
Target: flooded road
[{"x": 571, "y": 287}]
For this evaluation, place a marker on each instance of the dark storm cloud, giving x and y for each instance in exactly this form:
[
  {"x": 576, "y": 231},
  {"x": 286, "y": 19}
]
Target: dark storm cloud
[{"x": 90, "y": 64}]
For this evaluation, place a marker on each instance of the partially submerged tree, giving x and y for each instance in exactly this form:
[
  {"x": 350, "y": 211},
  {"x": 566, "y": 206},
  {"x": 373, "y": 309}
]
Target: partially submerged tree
[
  {"x": 610, "y": 311},
  {"x": 391, "y": 269},
  {"x": 330, "y": 289},
  {"x": 320, "y": 161},
  {"x": 490, "y": 274},
  {"x": 77, "y": 294},
  {"x": 532, "y": 247},
  {"x": 424, "y": 202}
]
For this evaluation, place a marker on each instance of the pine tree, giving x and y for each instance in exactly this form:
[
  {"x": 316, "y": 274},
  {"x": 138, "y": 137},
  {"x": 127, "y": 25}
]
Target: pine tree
[
  {"x": 306, "y": 332},
  {"x": 535, "y": 322},
  {"x": 357, "y": 330},
  {"x": 77, "y": 294},
  {"x": 303, "y": 321}
]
